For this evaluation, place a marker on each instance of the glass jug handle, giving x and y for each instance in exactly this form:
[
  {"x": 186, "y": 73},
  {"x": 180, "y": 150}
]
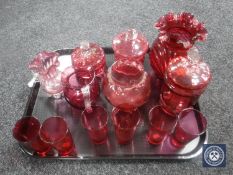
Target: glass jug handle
[{"x": 86, "y": 97}]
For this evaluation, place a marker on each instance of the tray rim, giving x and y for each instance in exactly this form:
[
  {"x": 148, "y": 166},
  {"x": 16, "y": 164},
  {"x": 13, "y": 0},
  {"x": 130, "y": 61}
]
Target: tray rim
[{"x": 29, "y": 109}]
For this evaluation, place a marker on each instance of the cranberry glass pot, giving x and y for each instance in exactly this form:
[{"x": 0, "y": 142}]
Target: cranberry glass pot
[{"x": 126, "y": 85}]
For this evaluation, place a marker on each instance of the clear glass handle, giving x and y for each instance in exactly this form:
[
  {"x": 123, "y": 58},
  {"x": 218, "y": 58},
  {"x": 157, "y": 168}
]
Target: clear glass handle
[{"x": 86, "y": 97}]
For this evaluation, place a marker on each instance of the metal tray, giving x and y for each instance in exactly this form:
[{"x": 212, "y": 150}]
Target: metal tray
[{"x": 42, "y": 106}]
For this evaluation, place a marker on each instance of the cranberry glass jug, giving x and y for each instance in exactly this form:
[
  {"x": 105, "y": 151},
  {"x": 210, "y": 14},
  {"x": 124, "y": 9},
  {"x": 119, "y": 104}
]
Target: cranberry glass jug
[
  {"x": 126, "y": 85},
  {"x": 177, "y": 34},
  {"x": 89, "y": 55},
  {"x": 131, "y": 45},
  {"x": 80, "y": 87},
  {"x": 45, "y": 67},
  {"x": 186, "y": 79}
]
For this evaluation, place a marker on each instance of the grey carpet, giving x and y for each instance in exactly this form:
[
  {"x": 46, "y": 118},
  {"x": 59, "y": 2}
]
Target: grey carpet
[{"x": 27, "y": 27}]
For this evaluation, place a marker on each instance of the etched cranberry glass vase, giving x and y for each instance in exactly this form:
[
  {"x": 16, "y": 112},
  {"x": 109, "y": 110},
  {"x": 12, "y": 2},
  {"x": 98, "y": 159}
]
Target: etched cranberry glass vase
[
  {"x": 177, "y": 34},
  {"x": 45, "y": 67},
  {"x": 126, "y": 85}
]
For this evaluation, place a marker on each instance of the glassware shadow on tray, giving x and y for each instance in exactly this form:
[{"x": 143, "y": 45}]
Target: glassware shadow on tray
[
  {"x": 177, "y": 34},
  {"x": 26, "y": 132},
  {"x": 45, "y": 67}
]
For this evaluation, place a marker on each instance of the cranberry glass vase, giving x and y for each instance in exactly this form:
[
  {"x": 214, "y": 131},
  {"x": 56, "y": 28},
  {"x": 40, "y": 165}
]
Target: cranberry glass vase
[
  {"x": 89, "y": 55},
  {"x": 131, "y": 45},
  {"x": 177, "y": 34},
  {"x": 185, "y": 80},
  {"x": 45, "y": 67},
  {"x": 80, "y": 87},
  {"x": 127, "y": 85}
]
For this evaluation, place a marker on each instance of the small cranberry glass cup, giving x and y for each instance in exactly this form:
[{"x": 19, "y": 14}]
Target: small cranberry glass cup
[
  {"x": 160, "y": 125},
  {"x": 125, "y": 124},
  {"x": 131, "y": 45},
  {"x": 55, "y": 132},
  {"x": 80, "y": 87},
  {"x": 191, "y": 124},
  {"x": 26, "y": 131},
  {"x": 95, "y": 122}
]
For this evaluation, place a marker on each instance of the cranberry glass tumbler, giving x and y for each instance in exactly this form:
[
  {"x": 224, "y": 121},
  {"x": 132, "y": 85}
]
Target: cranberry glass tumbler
[
  {"x": 54, "y": 131},
  {"x": 191, "y": 124},
  {"x": 160, "y": 125},
  {"x": 26, "y": 131},
  {"x": 96, "y": 123},
  {"x": 125, "y": 124}
]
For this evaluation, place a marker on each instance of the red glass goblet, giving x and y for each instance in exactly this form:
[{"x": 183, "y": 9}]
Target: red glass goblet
[
  {"x": 96, "y": 124},
  {"x": 161, "y": 124},
  {"x": 125, "y": 124},
  {"x": 26, "y": 131},
  {"x": 191, "y": 124},
  {"x": 54, "y": 131}
]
